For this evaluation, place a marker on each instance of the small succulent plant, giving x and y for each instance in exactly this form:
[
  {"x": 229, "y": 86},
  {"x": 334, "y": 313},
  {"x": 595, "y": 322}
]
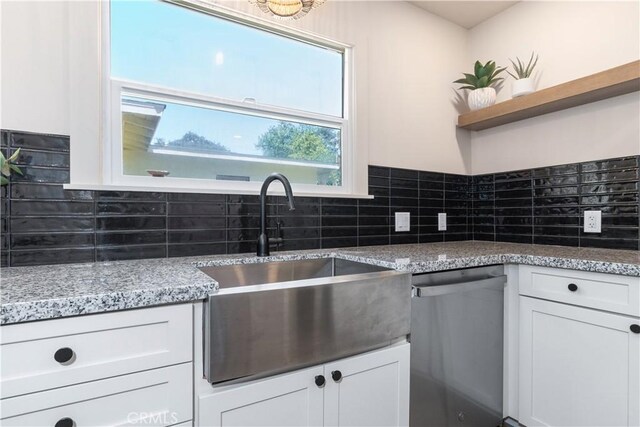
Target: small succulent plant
[
  {"x": 483, "y": 76},
  {"x": 7, "y": 166},
  {"x": 522, "y": 72}
]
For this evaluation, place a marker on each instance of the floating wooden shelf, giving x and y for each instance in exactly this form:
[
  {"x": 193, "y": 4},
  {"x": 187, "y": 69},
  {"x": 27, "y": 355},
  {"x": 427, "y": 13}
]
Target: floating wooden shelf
[{"x": 606, "y": 84}]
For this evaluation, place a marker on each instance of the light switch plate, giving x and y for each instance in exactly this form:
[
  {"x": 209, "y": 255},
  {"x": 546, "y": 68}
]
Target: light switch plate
[
  {"x": 442, "y": 221},
  {"x": 592, "y": 221},
  {"x": 403, "y": 221}
]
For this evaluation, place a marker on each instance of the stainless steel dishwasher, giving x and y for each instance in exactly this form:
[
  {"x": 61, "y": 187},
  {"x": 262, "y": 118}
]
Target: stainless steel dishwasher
[{"x": 457, "y": 347}]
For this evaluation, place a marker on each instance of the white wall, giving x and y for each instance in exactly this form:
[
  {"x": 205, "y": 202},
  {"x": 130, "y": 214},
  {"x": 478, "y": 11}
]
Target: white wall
[
  {"x": 34, "y": 86},
  {"x": 573, "y": 39},
  {"x": 405, "y": 61},
  {"x": 412, "y": 117}
]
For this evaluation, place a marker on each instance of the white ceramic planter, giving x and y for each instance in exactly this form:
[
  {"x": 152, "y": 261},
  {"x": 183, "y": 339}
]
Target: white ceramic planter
[
  {"x": 522, "y": 87},
  {"x": 481, "y": 98}
]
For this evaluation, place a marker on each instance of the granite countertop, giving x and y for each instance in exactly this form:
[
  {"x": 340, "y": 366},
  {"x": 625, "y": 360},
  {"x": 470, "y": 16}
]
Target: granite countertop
[{"x": 47, "y": 292}]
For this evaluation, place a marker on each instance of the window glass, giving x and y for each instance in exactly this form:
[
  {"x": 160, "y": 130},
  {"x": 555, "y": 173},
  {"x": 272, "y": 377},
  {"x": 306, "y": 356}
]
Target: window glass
[
  {"x": 172, "y": 46},
  {"x": 184, "y": 141}
]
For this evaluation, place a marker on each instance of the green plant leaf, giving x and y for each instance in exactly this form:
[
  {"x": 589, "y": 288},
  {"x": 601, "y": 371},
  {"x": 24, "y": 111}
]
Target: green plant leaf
[
  {"x": 531, "y": 65},
  {"x": 471, "y": 79},
  {"x": 6, "y": 169},
  {"x": 483, "y": 71},
  {"x": 14, "y": 156},
  {"x": 520, "y": 67},
  {"x": 483, "y": 81},
  {"x": 515, "y": 69},
  {"x": 492, "y": 78},
  {"x": 477, "y": 67},
  {"x": 468, "y": 79},
  {"x": 490, "y": 67},
  {"x": 515, "y": 78},
  {"x": 483, "y": 75},
  {"x": 3, "y": 180},
  {"x": 15, "y": 168}
]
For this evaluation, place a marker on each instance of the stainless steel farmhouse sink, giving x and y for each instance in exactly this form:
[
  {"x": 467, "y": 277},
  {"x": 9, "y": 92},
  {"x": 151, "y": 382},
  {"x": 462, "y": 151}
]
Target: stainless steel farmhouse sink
[{"x": 273, "y": 317}]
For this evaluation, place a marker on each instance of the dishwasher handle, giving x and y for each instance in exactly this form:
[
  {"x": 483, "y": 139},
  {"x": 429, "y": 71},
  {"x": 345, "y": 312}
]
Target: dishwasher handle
[{"x": 496, "y": 282}]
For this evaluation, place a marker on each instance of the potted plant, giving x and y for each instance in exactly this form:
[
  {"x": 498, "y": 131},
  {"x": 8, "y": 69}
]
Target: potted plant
[
  {"x": 482, "y": 93},
  {"x": 523, "y": 83},
  {"x": 7, "y": 166}
]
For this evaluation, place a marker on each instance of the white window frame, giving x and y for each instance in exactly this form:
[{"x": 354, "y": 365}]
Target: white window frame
[{"x": 114, "y": 89}]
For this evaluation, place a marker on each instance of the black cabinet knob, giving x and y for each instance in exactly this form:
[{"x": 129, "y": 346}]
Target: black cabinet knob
[
  {"x": 336, "y": 375},
  {"x": 64, "y": 356},
  {"x": 65, "y": 422},
  {"x": 635, "y": 328},
  {"x": 572, "y": 287},
  {"x": 320, "y": 381}
]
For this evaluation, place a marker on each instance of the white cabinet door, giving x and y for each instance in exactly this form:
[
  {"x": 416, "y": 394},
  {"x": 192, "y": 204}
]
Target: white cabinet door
[
  {"x": 373, "y": 389},
  {"x": 99, "y": 346},
  {"x": 291, "y": 399},
  {"x": 158, "y": 397},
  {"x": 578, "y": 366}
]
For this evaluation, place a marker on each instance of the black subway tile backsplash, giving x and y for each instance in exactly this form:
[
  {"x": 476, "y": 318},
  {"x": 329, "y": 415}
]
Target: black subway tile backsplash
[
  {"x": 28, "y": 190},
  {"x": 52, "y": 256},
  {"x": 28, "y": 224},
  {"x": 41, "y": 158},
  {"x": 559, "y": 196},
  {"x": 41, "y": 223},
  {"x": 130, "y": 208},
  {"x": 38, "y": 141},
  {"x": 127, "y": 252},
  {"x": 54, "y": 240},
  {"x": 119, "y": 223},
  {"x": 122, "y": 238},
  {"x": 42, "y": 174},
  {"x": 50, "y": 208}
]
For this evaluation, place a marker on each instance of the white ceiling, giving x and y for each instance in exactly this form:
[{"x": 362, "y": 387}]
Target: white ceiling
[{"x": 467, "y": 14}]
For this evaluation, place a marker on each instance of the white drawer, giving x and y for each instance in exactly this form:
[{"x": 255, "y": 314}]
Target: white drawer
[
  {"x": 104, "y": 345},
  {"x": 152, "y": 398},
  {"x": 610, "y": 292}
]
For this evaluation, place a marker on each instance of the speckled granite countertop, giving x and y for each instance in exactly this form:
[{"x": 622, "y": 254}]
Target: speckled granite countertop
[{"x": 47, "y": 292}]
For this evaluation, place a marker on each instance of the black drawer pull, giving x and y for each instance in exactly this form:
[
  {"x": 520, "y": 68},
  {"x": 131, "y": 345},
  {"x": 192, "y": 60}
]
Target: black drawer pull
[
  {"x": 336, "y": 375},
  {"x": 64, "y": 356},
  {"x": 65, "y": 422},
  {"x": 320, "y": 381},
  {"x": 635, "y": 328},
  {"x": 572, "y": 287}
]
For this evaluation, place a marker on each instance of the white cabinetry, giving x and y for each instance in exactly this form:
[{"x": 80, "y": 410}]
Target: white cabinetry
[
  {"x": 608, "y": 292},
  {"x": 372, "y": 389},
  {"x": 579, "y": 366},
  {"x": 130, "y": 367},
  {"x": 158, "y": 397},
  {"x": 291, "y": 399}
]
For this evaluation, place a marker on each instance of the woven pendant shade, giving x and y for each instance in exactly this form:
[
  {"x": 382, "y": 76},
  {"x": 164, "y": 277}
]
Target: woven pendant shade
[{"x": 287, "y": 9}]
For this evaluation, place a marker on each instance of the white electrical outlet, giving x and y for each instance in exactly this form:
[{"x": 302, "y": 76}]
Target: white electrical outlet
[
  {"x": 592, "y": 221},
  {"x": 442, "y": 221},
  {"x": 403, "y": 221}
]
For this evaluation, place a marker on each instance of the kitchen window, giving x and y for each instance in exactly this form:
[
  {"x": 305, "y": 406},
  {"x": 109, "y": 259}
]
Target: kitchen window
[{"x": 200, "y": 98}]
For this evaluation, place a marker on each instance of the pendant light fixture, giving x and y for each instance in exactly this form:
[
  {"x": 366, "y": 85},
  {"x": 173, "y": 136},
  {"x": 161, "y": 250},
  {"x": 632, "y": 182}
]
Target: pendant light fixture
[{"x": 287, "y": 9}]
